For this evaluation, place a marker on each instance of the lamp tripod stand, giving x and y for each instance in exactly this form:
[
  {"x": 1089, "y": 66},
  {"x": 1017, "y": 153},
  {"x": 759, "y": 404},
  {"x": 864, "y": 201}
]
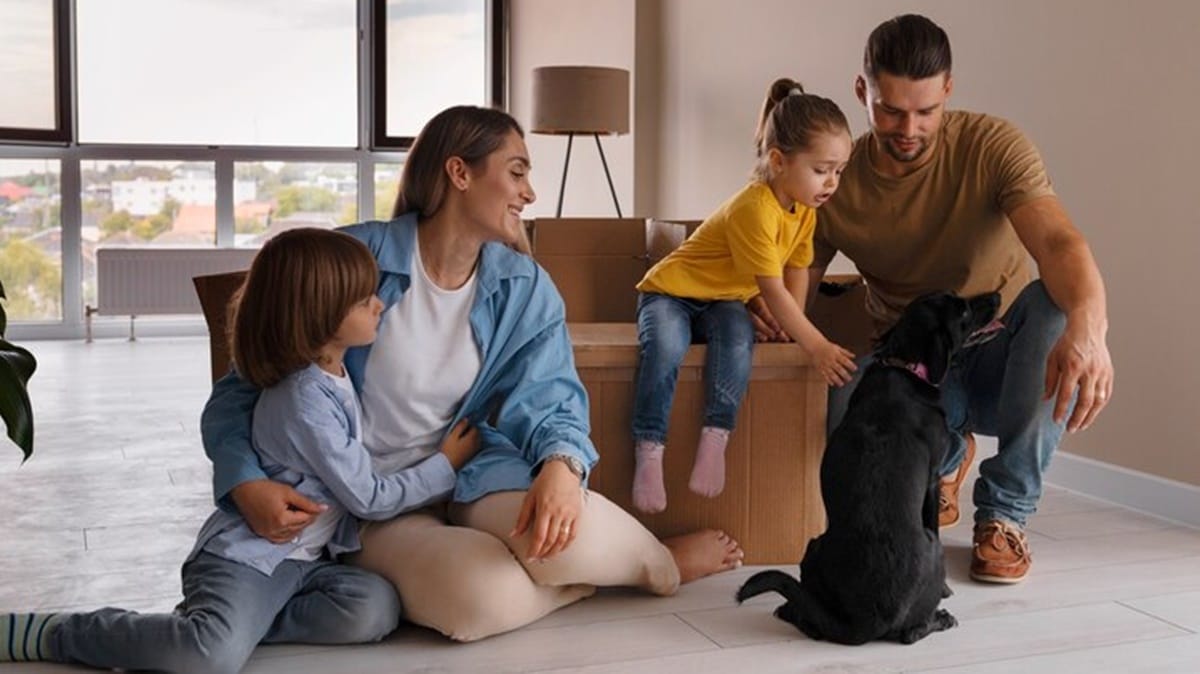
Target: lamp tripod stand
[{"x": 562, "y": 187}]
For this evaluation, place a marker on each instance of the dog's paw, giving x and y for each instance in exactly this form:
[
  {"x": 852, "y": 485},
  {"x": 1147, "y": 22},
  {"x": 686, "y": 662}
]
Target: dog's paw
[
  {"x": 946, "y": 591},
  {"x": 785, "y": 612},
  {"x": 943, "y": 620}
]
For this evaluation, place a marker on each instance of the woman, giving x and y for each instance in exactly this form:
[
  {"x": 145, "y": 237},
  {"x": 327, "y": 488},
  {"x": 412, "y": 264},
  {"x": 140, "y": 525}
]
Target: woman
[{"x": 471, "y": 330}]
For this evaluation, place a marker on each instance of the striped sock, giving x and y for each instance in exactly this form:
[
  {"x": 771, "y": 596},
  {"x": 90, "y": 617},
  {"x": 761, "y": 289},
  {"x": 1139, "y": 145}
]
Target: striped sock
[{"x": 25, "y": 636}]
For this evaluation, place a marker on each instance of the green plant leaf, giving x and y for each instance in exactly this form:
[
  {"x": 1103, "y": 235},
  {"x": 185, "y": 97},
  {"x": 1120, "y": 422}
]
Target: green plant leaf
[
  {"x": 23, "y": 362},
  {"x": 15, "y": 407},
  {"x": 3, "y": 315}
]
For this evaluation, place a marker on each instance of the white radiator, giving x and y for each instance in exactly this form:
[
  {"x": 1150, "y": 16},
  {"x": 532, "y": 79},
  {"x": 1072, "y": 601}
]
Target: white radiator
[{"x": 139, "y": 281}]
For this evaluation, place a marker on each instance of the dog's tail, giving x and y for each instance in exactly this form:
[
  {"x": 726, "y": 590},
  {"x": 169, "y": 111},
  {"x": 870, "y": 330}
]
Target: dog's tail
[{"x": 768, "y": 581}]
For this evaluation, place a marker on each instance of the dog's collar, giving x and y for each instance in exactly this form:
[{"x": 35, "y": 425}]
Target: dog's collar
[
  {"x": 985, "y": 334},
  {"x": 918, "y": 370}
]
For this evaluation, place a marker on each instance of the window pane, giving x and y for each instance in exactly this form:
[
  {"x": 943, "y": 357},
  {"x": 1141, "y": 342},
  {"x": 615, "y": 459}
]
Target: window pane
[
  {"x": 31, "y": 239},
  {"x": 145, "y": 204},
  {"x": 27, "y": 64},
  {"x": 387, "y": 182},
  {"x": 218, "y": 72},
  {"x": 436, "y": 57},
  {"x": 278, "y": 196}
]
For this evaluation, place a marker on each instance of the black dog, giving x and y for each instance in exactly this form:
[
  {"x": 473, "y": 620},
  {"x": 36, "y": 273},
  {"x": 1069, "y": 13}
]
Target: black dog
[{"x": 878, "y": 572}]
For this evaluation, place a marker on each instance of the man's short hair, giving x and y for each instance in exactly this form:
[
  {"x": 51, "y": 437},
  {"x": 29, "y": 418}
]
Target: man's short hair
[{"x": 908, "y": 46}]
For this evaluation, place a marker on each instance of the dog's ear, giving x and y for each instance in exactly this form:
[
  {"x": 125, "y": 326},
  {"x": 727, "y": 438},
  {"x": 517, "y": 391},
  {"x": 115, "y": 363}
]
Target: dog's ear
[
  {"x": 927, "y": 334},
  {"x": 939, "y": 348}
]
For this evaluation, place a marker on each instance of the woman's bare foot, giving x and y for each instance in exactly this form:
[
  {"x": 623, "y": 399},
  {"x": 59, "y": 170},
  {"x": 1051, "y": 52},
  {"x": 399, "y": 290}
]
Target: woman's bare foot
[{"x": 703, "y": 553}]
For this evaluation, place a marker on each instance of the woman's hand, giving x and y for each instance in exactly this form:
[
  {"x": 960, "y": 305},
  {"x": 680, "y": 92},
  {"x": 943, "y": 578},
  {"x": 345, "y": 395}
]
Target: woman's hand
[
  {"x": 550, "y": 510},
  {"x": 274, "y": 510},
  {"x": 834, "y": 363}
]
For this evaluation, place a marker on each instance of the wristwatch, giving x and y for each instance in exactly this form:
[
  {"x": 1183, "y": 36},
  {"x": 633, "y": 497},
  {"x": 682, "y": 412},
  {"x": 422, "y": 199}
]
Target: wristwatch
[{"x": 573, "y": 464}]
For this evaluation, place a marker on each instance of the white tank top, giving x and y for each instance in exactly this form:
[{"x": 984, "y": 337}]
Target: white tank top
[{"x": 422, "y": 364}]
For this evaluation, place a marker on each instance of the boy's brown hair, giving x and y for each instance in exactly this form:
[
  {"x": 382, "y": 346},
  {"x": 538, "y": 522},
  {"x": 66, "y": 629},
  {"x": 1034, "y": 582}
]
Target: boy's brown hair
[{"x": 299, "y": 289}]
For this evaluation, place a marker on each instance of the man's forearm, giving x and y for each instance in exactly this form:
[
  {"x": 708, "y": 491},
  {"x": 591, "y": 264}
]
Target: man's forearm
[{"x": 1074, "y": 283}]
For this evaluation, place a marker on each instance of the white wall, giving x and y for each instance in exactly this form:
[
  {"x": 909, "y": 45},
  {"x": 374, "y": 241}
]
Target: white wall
[
  {"x": 573, "y": 32},
  {"x": 1108, "y": 90}
]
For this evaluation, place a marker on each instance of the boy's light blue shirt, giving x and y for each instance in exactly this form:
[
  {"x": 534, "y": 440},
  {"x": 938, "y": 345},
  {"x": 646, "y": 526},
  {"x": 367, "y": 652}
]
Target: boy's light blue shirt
[
  {"x": 527, "y": 400},
  {"x": 304, "y": 436}
]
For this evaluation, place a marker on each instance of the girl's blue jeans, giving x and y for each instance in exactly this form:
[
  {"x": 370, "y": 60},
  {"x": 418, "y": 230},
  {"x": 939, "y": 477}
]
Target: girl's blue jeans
[{"x": 667, "y": 326}]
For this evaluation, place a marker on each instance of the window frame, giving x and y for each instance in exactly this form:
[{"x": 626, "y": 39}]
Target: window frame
[
  {"x": 63, "y": 146},
  {"x": 64, "y": 66},
  {"x": 497, "y": 49}
]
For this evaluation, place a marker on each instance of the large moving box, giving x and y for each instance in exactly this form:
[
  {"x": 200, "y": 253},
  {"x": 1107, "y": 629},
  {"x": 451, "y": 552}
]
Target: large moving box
[{"x": 772, "y": 501}]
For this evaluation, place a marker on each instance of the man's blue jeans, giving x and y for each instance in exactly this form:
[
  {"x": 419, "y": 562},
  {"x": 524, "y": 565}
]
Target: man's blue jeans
[
  {"x": 667, "y": 326},
  {"x": 995, "y": 388},
  {"x": 228, "y": 609}
]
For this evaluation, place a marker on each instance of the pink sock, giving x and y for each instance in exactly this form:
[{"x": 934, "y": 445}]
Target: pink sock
[
  {"x": 708, "y": 470},
  {"x": 649, "y": 494}
]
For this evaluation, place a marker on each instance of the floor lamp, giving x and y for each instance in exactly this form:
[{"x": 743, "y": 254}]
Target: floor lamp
[{"x": 571, "y": 100}]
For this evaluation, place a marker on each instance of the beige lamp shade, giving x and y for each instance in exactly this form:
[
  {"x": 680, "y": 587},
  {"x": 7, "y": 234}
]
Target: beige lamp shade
[{"x": 580, "y": 99}]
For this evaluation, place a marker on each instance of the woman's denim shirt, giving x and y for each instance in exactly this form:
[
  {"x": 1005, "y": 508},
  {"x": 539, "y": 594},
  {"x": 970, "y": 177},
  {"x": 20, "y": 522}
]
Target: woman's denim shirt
[{"x": 527, "y": 399}]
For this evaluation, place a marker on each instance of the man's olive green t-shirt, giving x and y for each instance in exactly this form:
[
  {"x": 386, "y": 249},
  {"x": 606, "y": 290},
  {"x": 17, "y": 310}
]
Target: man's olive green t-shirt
[{"x": 942, "y": 227}]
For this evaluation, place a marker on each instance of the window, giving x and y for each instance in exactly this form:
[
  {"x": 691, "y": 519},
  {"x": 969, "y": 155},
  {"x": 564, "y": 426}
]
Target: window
[
  {"x": 218, "y": 72},
  {"x": 387, "y": 180},
  {"x": 156, "y": 204},
  {"x": 31, "y": 238},
  {"x": 155, "y": 123},
  {"x": 272, "y": 197},
  {"x": 33, "y": 67},
  {"x": 429, "y": 56}
]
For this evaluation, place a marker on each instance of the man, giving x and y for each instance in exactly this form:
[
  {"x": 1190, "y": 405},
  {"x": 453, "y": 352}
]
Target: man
[{"x": 952, "y": 200}]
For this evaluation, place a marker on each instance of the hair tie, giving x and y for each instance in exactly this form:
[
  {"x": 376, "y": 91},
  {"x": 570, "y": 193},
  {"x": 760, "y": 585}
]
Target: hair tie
[{"x": 795, "y": 91}]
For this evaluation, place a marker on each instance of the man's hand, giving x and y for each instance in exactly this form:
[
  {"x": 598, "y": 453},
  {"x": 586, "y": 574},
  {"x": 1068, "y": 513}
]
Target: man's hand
[
  {"x": 1079, "y": 360},
  {"x": 274, "y": 510},
  {"x": 551, "y": 510},
  {"x": 766, "y": 328}
]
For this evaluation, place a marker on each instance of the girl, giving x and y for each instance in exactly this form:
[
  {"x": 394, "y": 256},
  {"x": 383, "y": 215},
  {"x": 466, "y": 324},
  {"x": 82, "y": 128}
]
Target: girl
[
  {"x": 309, "y": 295},
  {"x": 757, "y": 242}
]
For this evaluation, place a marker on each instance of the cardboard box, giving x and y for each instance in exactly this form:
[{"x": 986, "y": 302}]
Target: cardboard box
[
  {"x": 839, "y": 311},
  {"x": 772, "y": 501},
  {"x": 215, "y": 291},
  {"x": 595, "y": 263}
]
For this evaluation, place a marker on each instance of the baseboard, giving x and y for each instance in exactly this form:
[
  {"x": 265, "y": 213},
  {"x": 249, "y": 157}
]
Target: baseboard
[{"x": 1151, "y": 494}]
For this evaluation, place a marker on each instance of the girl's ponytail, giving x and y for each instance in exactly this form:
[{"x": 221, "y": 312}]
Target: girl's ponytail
[{"x": 790, "y": 119}]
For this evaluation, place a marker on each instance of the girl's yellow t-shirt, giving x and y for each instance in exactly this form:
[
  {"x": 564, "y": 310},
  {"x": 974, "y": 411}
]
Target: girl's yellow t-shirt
[{"x": 749, "y": 235}]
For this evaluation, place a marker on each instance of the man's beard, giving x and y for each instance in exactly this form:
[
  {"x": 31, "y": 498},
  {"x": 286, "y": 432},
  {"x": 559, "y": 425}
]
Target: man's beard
[{"x": 900, "y": 156}]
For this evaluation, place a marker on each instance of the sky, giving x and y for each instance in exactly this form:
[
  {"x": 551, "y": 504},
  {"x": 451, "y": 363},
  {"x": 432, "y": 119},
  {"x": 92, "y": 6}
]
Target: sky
[{"x": 236, "y": 72}]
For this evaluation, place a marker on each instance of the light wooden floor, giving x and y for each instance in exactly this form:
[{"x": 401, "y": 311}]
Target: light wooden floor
[{"x": 107, "y": 508}]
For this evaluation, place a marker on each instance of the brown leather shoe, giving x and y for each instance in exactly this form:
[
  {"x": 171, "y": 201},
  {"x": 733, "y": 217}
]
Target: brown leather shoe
[
  {"x": 948, "y": 514},
  {"x": 1000, "y": 553}
]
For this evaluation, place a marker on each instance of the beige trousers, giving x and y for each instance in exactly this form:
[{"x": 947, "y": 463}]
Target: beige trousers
[{"x": 458, "y": 572}]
